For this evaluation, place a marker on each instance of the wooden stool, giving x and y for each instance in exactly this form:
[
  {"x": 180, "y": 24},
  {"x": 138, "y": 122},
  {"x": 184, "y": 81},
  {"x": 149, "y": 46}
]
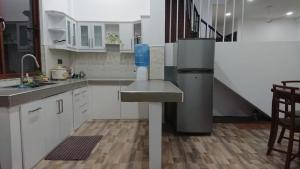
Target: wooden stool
[
  {"x": 281, "y": 136},
  {"x": 284, "y": 95}
]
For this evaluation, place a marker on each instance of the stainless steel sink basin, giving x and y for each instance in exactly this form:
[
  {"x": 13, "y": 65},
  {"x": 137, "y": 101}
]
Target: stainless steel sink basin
[{"x": 31, "y": 85}]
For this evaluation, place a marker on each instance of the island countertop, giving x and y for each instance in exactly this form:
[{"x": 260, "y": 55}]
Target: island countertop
[{"x": 152, "y": 91}]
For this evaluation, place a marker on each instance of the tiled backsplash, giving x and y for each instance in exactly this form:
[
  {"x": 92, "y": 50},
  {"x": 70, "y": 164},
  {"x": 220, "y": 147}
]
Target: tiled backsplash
[
  {"x": 157, "y": 62},
  {"x": 116, "y": 65},
  {"x": 105, "y": 65}
]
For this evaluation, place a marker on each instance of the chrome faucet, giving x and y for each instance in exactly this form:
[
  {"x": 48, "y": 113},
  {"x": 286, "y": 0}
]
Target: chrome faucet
[{"x": 22, "y": 65}]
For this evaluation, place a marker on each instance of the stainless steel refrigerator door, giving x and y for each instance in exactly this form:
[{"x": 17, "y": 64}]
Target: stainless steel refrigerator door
[
  {"x": 194, "y": 115},
  {"x": 196, "y": 54}
]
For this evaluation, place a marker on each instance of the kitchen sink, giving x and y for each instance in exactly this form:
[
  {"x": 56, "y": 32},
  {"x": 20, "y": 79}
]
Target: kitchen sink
[{"x": 34, "y": 85}]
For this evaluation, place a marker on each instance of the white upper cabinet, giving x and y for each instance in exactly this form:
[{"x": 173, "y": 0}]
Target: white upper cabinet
[
  {"x": 98, "y": 36},
  {"x": 126, "y": 36},
  {"x": 74, "y": 34},
  {"x": 61, "y": 31},
  {"x": 91, "y": 35},
  {"x": 84, "y": 36},
  {"x": 69, "y": 33},
  {"x": 66, "y": 33}
]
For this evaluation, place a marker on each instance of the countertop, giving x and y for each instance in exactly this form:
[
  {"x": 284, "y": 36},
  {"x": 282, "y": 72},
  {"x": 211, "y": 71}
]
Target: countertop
[
  {"x": 152, "y": 91},
  {"x": 14, "y": 96}
]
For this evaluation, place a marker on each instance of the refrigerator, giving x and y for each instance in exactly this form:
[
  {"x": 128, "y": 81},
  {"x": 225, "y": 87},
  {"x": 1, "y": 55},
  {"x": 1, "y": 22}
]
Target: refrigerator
[{"x": 195, "y": 77}]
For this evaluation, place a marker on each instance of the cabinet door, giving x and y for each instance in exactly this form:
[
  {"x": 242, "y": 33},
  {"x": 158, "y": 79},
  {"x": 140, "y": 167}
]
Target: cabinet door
[
  {"x": 97, "y": 36},
  {"x": 126, "y": 36},
  {"x": 66, "y": 115},
  {"x": 74, "y": 34},
  {"x": 105, "y": 102},
  {"x": 84, "y": 104},
  {"x": 52, "y": 107},
  {"x": 129, "y": 110},
  {"x": 80, "y": 106},
  {"x": 76, "y": 108},
  {"x": 84, "y": 36},
  {"x": 69, "y": 32},
  {"x": 33, "y": 133}
]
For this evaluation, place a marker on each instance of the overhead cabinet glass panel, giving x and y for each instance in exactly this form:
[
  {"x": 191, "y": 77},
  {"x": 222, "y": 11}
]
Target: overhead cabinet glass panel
[
  {"x": 84, "y": 36},
  {"x": 98, "y": 36},
  {"x": 69, "y": 32},
  {"x": 74, "y": 35}
]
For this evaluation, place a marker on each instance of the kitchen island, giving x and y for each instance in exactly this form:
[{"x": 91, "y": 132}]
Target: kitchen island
[{"x": 156, "y": 92}]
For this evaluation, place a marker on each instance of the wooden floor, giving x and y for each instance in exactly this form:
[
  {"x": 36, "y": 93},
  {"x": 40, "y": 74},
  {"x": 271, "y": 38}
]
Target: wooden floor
[{"x": 125, "y": 146}]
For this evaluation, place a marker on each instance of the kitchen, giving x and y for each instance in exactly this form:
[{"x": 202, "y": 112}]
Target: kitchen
[{"x": 86, "y": 84}]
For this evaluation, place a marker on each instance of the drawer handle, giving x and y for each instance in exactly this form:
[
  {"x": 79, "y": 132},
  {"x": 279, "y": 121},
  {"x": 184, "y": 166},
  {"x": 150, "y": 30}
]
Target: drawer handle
[
  {"x": 83, "y": 112},
  {"x": 32, "y": 111},
  {"x": 83, "y": 105}
]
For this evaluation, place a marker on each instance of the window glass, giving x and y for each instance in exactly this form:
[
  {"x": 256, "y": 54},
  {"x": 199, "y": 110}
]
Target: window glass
[{"x": 18, "y": 37}]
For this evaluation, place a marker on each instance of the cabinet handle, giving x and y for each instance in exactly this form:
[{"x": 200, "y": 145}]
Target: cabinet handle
[
  {"x": 76, "y": 94},
  {"x": 62, "y": 105},
  {"x": 59, "y": 109},
  {"x": 37, "y": 109},
  {"x": 118, "y": 94},
  {"x": 83, "y": 92},
  {"x": 84, "y": 111}
]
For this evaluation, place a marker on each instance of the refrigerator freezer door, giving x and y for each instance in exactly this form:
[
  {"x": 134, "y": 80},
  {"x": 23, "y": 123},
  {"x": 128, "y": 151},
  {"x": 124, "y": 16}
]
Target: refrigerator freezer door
[
  {"x": 194, "y": 115},
  {"x": 198, "y": 53}
]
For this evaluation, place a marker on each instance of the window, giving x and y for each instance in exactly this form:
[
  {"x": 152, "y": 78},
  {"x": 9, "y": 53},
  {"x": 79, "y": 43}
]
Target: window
[
  {"x": 196, "y": 23},
  {"x": 19, "y": 36}
]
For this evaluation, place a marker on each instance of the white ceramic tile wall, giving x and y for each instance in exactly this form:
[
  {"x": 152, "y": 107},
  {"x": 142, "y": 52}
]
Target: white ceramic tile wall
[
  {"x": 104, "y": 65},
  {"x": 157, "y": 62}
]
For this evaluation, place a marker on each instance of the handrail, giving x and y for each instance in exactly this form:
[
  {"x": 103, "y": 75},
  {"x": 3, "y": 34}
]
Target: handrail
[{"x": 211, "y": 28}]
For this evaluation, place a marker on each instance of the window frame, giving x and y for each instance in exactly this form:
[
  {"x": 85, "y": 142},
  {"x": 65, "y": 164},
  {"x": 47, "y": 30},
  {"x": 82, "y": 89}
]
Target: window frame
[{"x": 36, "y": 42}]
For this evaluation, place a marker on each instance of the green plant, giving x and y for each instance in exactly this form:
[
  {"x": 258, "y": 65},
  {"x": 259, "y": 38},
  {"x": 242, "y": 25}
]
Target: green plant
[{"x": 113, "y": 38}]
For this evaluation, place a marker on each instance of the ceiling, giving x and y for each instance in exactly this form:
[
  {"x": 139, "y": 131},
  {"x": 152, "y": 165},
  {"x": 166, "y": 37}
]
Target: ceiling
[{"x": 260, "y": 9}]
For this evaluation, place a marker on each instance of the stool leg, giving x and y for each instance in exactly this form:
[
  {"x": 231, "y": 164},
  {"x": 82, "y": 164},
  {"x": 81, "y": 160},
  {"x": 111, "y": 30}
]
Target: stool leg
[
  {"x": 273, "y": 136},
  {"x": 281, "y": 135},
  {"x": 290, "y": 151},
  {"x": 299, "y": 147}
]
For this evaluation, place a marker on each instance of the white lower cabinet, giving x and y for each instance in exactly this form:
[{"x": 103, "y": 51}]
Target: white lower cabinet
[
  {"x": 33, "y": 132},
  {"x": 106, "y": 104},
  {"x": 80, "y": 106},
  {"x": 129, "y": 110},
  {"x": 105, "y": 101},
  {"x": 52, "y": 122},
  {"x": 65, "y": 115},
  {"x": 45, "y": 124}
]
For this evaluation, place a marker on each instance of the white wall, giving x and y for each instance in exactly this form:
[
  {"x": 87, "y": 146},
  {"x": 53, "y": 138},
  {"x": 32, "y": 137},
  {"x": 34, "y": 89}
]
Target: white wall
[
  {"x": 298, "y": 28},
  {"x": 157, "y": 23},
  {"x": 59, "y": 5},
  {"x": 260, "y": 30},
  {"x": 250, "y": 68},
  {"x": 111, "y": 10}
]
